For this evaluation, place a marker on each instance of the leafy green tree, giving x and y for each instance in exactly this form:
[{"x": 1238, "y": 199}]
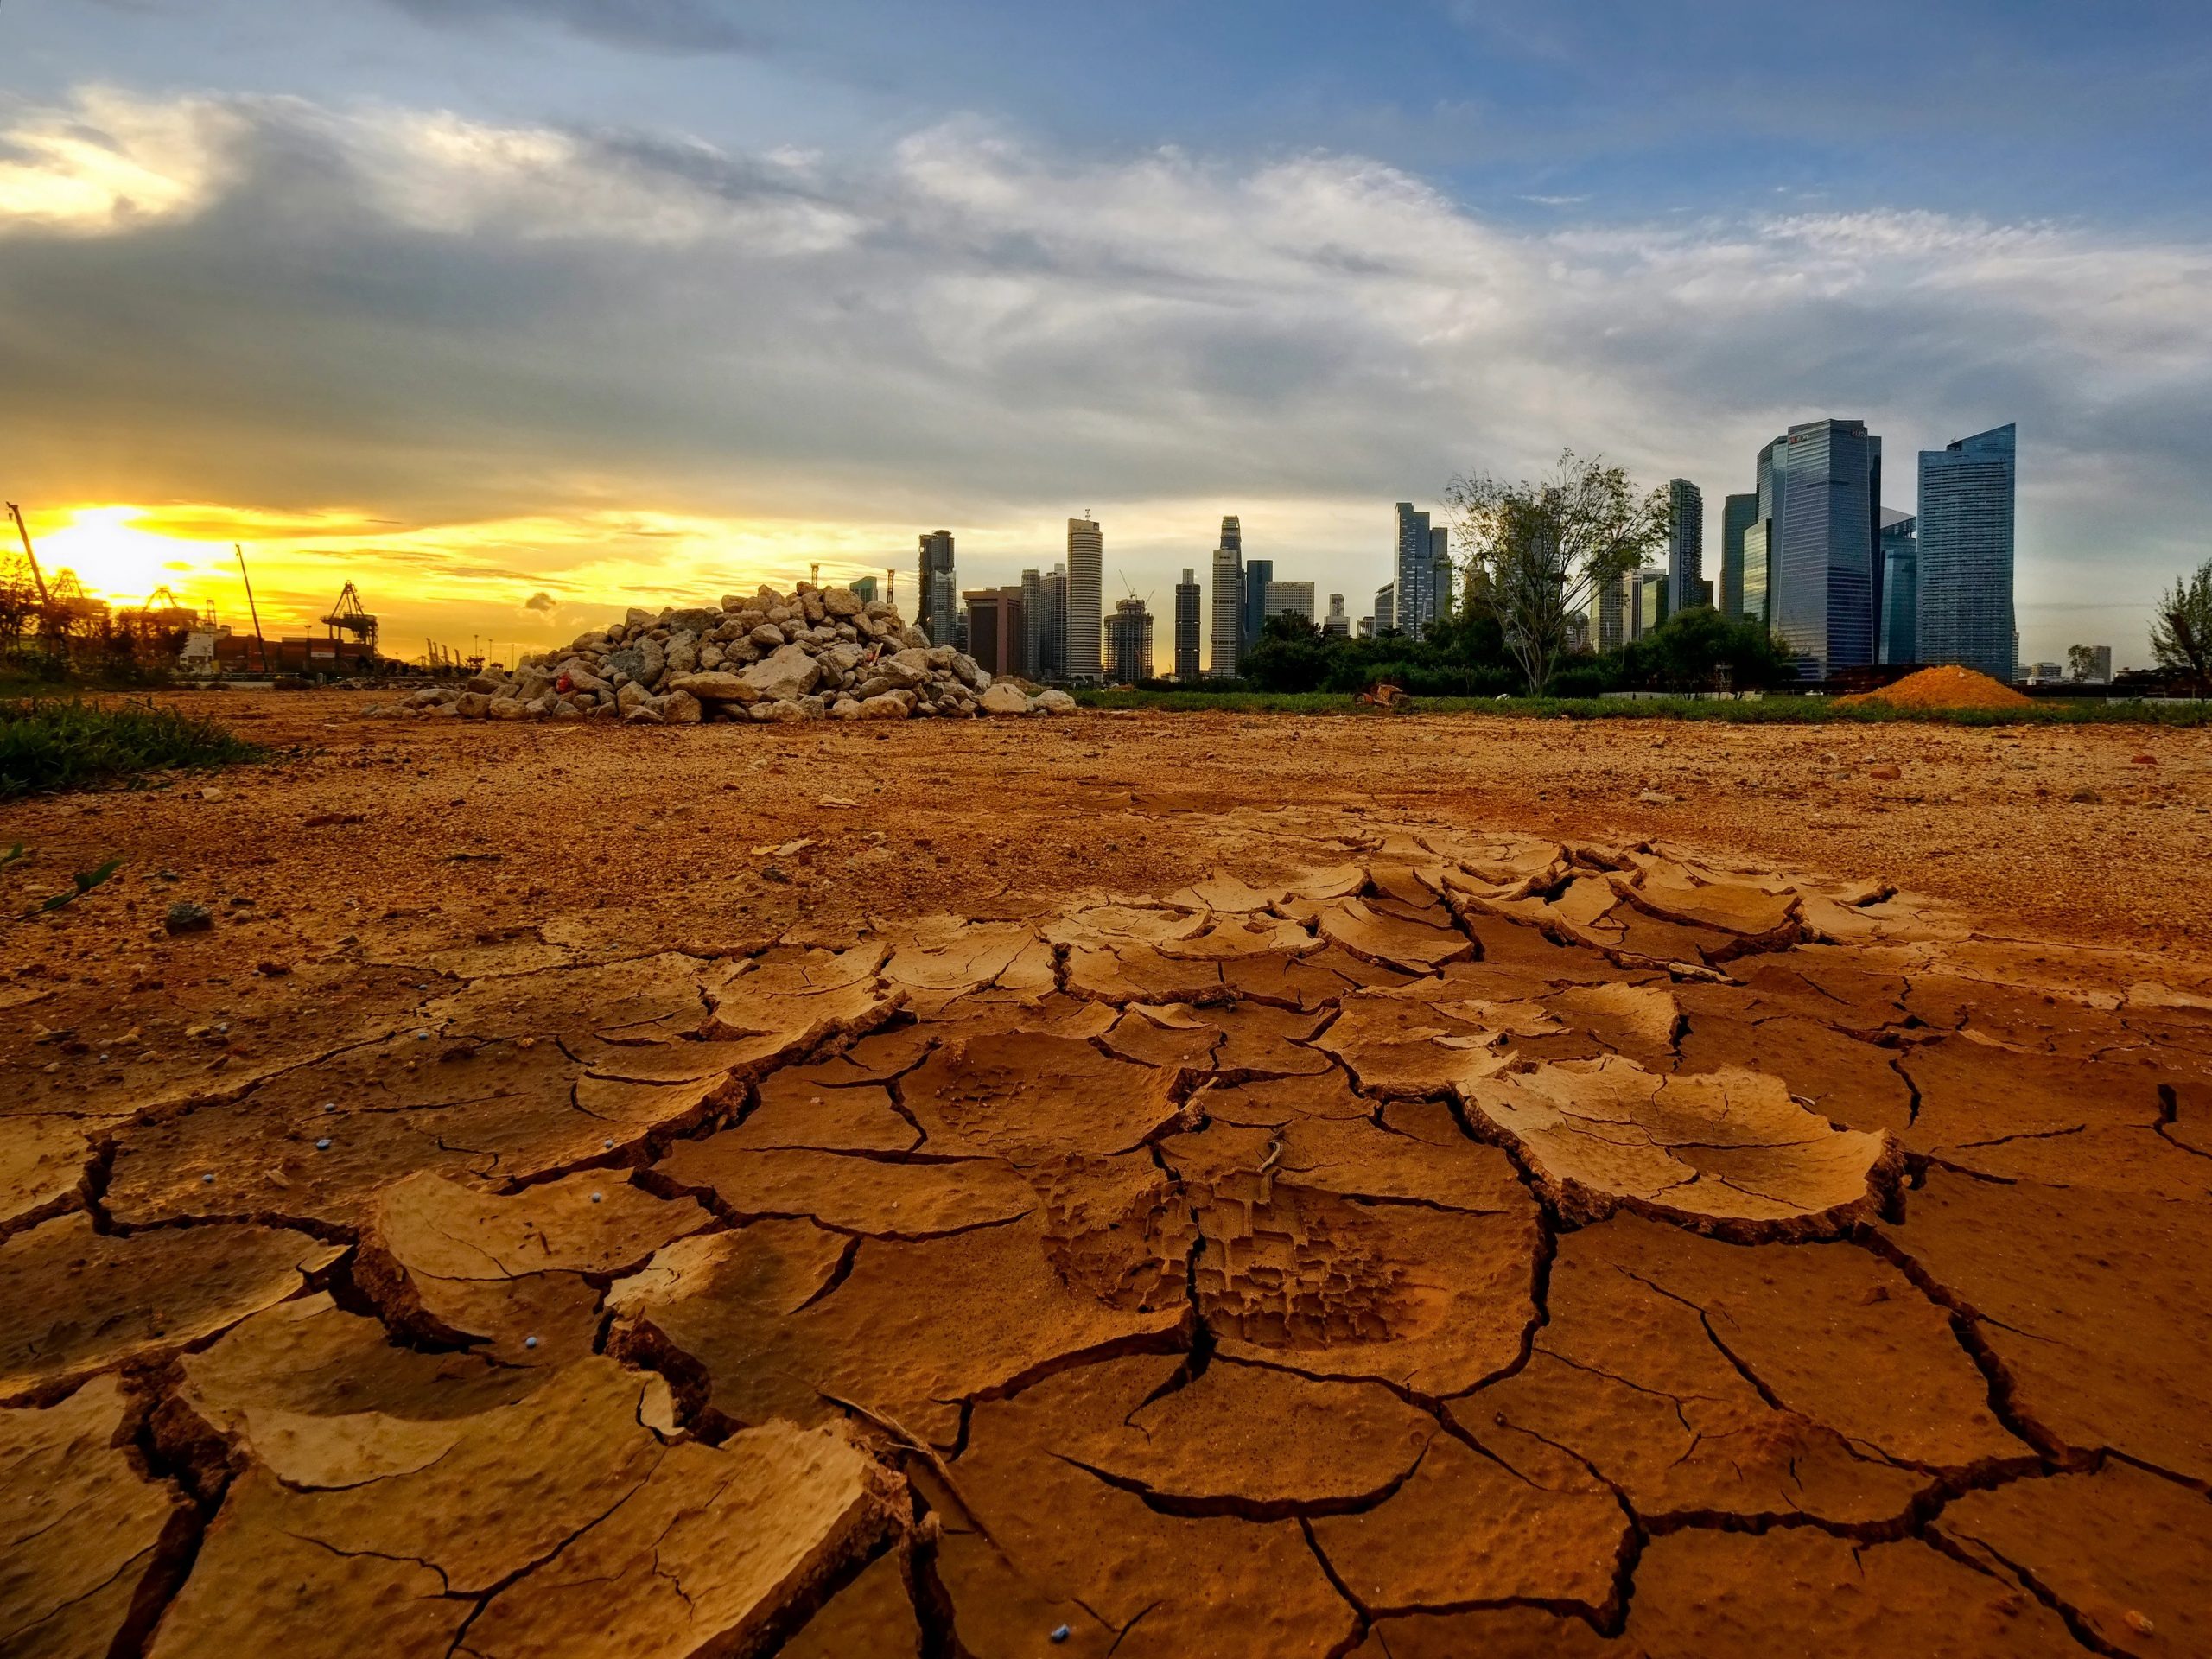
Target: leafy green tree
[
  {"x": 1545, "y": 548},
  {"x": 1687, "y": 652},
  {"x": 1291, "y": 655},
  {"x": 2181, "y": 629}
]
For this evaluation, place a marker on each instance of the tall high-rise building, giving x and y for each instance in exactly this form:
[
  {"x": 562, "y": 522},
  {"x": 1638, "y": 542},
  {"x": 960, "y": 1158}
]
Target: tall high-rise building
[
  {"x": 1337, "y": 625},
  {"x": 936, "y": 597},
  {"x": 1290, "y": 599},
  {"x": 1386, "y": 608},
  {"x": 995, "y": 629},
  {"x": 1648, "y": 592},
  {"x": 864, "y": 589},
  {"x": 1086, "y": 619},
  {"x": 1258, "y": 574},
  {"x": 1128, "y": 643},
  {"x": 1032, "y": 624},
  {"x": 1827, "y": 577},
  {"x": 1966, "y": 553},
  {"x": 1439, "y": 572},
  {"x": 1366, "y": 627},
  {"x": 1414, "y": 582},
  {"x": 1051, "y": 659},
  {"x": 1738, "y": 514},
  {"x": 1225, "y": 629},
  {"x": 1900, "y": 587},
  {"x": 1186, "y": 628},
  {"x": 1685, "y": 545},
  {"x": 1612, "y": 615}
]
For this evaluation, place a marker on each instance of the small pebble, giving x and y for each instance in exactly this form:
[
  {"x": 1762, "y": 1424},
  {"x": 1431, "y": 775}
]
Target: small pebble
[
  {"x": 595, "y": 1197},
  {"x": 206, "y": 1180},
  {"x": 529, "y": 1342},
  {"x": 1060, "y": 1632},
  {"x": 329, "y": 1105},
  {"x": 609, "y": 1144},
  {"x": 421, "y": 1036},
  {"x": 323, "y": 1145}
]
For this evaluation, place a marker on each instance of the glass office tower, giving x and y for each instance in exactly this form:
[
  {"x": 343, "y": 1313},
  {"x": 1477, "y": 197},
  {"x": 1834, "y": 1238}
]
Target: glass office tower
[
  {"x": 1965, "y": 606},
  {"x": 1827, "y": 594}
]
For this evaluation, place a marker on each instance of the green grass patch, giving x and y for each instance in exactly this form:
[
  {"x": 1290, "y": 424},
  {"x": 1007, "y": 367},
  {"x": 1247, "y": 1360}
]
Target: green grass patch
[
  {"x": 1773, "y": 710},
  {"x": 51, "y": 743}
]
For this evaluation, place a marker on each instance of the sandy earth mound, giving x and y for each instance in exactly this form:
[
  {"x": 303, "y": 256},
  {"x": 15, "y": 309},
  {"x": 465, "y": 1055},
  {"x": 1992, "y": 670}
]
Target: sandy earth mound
[
  {"x": 1463, "y": 1244},
  {"x": 1948, "y": 687}
]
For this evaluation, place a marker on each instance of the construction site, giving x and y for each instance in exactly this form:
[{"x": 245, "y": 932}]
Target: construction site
[{"x": 49, "y": 623}]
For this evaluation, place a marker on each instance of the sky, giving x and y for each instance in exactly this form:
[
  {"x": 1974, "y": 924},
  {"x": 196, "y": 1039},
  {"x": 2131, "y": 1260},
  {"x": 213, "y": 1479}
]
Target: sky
[{"x": 516, "y": 313}]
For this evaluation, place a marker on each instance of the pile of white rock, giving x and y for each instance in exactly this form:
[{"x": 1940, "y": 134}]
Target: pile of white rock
[{"x": 816, "y": 653}]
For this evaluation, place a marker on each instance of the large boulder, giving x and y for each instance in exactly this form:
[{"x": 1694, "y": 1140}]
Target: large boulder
[
  {"x": 785, "y": 675},
  {"x": 717, "y": 686},
  {"x": 681, "y": 708},
  {"x": 1003, "y": 698},
  {"x": 1056, "y": 703},
  {"x": 889, "y": 706}
]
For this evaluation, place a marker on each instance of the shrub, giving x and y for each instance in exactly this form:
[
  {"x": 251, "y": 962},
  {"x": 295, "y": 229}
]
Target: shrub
[{"x": 50, "y": 743}]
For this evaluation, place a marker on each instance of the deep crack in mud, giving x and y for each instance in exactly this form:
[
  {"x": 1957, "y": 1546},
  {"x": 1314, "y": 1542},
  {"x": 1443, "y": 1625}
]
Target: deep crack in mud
[{"x": 1463, "y": 1244}]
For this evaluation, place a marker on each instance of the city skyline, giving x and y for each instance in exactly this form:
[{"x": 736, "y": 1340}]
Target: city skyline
[{"x": 659, "y": 313}]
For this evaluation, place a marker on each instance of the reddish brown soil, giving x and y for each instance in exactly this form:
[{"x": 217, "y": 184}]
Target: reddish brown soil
[
  {"x": 1945, "y": 687},
  {"x": 1157, "y": 1186}
]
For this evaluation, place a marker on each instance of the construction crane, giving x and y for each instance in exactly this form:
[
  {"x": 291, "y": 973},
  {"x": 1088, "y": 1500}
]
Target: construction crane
[
  {"x": 38, "y": 576},
  {"x": 349, "y": 615}
]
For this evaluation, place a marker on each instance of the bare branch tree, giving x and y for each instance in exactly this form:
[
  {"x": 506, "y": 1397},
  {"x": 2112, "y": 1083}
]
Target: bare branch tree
[{"x": 1545, "y": 549}]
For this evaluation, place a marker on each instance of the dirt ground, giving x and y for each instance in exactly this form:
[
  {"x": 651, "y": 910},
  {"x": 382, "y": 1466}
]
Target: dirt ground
[{"x": 1146, "y": 1186}]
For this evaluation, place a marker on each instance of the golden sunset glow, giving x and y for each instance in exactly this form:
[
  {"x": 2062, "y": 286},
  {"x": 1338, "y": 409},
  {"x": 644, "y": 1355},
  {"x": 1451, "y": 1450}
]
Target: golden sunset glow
[{"x": 528, "y": 581}]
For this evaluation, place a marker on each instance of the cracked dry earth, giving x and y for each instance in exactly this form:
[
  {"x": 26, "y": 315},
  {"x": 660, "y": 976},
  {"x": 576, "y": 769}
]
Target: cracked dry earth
[{"x": 1444, "y": 1245}]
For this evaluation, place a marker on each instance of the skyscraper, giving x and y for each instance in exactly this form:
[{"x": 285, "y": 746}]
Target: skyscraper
[
  {"x": 1290, "y": 599},
  {"x": 1226, "y": 631},
  {"x": 864, "y": 589},
  {"x": 936, "y": 598},
  {"x": 1414, "y": 584},
  {"x": 1128, "y": 643},
  {"x": 1439, "y": 572},
  {"x": 1965, "y": 606},
  {"x": 1337, "y": 625},
  {"x": 1386, "y": 608},
  {"x": 1828, "y": 580},
  {"x": 995, "y": 629},
  {"x": 1186, "y": 628},
  {"x": 1033, "y": 624},
  {"x": 1050, "y": 662},
  {"x": 1612, "y": 615},
  {"x": 1258, "y": 573},
  {"x": 1685, "y": 545},
  {"x": 1648, "y": 595},
  {"x": 1086, "y": 623},
  {"x": 1738, "y": 514},
  {"x": 1900, "y": 587}
]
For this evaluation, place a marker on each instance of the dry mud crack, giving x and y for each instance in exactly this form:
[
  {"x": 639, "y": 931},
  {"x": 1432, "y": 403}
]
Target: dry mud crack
[{"x": 1447, "y": 1244}]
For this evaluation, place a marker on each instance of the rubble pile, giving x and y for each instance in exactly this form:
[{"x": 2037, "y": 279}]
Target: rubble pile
[{"x": 814, "y": 654}]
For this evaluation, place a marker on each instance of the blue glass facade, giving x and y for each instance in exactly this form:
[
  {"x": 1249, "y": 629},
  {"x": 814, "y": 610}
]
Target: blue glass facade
[
  {"x": 1964, "y": 608},
  {"x": 1900, "y": 589},
  {"x": 1827, "y": 575},
  {"x": 1258, "y": 573},
  {"x": 1738, "y": 514}
]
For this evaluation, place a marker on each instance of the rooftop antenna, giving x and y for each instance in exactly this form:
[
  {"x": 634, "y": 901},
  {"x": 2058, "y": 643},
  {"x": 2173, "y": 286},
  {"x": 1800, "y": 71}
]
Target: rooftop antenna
[{"x": 38, "y": 576}]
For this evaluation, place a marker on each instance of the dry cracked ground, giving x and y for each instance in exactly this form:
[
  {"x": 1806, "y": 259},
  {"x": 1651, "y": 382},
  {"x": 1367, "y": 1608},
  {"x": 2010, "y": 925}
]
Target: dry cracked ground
[{"x": 1383, "y": 1232}]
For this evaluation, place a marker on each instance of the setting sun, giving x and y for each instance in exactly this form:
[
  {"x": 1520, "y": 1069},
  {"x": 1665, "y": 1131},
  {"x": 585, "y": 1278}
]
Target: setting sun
[{"x": 116, "y": 559}]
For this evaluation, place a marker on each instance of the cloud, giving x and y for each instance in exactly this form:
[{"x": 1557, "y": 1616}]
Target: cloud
[
  {"x": 446, "y": 321},
  {"x": 649, "y": 25},
  {"x": 541, "y": 600}
]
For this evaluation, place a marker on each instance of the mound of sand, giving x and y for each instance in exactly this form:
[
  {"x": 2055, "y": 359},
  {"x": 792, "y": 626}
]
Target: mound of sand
[{"x": 1943, "y": 688}]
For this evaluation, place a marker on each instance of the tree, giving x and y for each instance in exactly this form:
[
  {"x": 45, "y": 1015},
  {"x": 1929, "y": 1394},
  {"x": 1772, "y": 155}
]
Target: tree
[
  {"x": 1547, "y": 549},
  {"x": 1688, "y": 650},
  {"x": 2081, "y": 662},
  {"x": 2181, "y": 629}
]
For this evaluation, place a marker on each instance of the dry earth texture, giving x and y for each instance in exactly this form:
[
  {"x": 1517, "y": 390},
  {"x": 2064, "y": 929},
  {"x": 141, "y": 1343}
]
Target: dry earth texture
[{"x": 1145, "y": 1187}]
